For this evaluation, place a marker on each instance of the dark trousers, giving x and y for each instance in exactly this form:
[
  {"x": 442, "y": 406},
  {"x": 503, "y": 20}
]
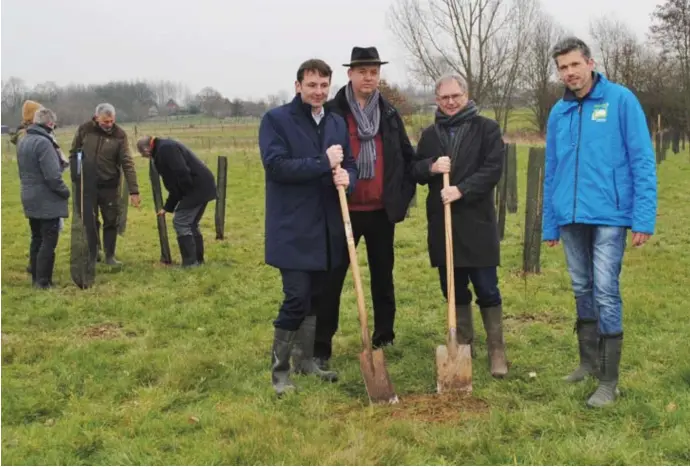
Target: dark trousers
[
  {"x": 484, "y": 282},
  {"x": 302, "y": 291},
  {"x": 107, "y": 201},
  {"x": 379, "y": 234},
  {"x": 186, "y": 221},
  {"x": 44, "y": 239}
]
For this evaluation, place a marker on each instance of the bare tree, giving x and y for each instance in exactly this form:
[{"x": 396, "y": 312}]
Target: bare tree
[
  {"x": 481, "y": 40},
  {"x": 451, "y": 35},
  {"x": 671, "y": 31},
  {"x": 14, "y": 92},
  {"x": 618, "y": 49},
  {"x": 165, "y": 90},
  {"x": 411, "y": 24},
  {"x": 510, "y": 48},
  {"x": 541, "y": 84}
]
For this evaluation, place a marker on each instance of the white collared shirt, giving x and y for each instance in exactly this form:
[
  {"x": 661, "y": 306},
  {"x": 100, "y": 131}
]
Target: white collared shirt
[{"x": 318, "y": 116}]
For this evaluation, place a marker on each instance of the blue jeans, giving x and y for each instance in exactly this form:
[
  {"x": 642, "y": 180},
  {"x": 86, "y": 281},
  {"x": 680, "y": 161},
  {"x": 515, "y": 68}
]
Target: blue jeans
[{"x": 594, "y": 255}]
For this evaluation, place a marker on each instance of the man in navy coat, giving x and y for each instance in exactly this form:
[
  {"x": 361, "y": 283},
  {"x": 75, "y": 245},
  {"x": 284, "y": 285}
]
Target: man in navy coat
[{"x": 305, "y": 151}]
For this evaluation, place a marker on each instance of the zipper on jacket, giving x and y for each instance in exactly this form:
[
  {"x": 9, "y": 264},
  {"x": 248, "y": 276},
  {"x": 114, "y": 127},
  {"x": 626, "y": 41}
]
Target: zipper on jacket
[{"x": 577, "y": 157}]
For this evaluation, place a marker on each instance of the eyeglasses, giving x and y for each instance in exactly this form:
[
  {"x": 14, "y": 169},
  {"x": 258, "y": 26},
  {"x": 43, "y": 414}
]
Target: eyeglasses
[{"x": 451, "y": 97}]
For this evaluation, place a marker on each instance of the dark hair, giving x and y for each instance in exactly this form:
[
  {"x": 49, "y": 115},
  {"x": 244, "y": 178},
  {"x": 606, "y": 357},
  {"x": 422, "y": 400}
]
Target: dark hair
[
  {"x": 568, "y": 44},
  {"x": 316, "y": 65}
]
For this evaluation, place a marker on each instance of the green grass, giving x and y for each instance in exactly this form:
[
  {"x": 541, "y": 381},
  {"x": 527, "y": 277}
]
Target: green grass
[{"x": 157, "y": 365}]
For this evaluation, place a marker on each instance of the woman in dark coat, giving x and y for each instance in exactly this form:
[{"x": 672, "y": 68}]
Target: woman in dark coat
[
  {"x": 470, "y": 148},
  {"x": 44, "y": 194}
]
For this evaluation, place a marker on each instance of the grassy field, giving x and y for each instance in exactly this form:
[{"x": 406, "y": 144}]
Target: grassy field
[{"x": 156, "y": 365}]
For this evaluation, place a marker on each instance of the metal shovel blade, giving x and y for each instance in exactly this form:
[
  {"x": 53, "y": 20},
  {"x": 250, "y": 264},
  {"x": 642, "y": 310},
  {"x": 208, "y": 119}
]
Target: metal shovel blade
[
  {"x": 454, "y": 368},
  {"x": 376, "y": 379}
]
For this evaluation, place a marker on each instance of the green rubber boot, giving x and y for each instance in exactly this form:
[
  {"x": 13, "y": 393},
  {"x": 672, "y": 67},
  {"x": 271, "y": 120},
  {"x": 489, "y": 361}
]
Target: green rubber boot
[{"x": 610, "y": 356}]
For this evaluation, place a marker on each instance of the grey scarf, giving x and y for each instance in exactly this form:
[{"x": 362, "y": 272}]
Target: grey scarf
[
  {"x": 368, "y": 120},
  {"x": 452, "y": 130}
]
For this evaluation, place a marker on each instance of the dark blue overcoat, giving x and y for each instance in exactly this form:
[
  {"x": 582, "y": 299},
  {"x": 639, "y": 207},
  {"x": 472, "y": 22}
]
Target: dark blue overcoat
[{"x": 304, "y": 224}]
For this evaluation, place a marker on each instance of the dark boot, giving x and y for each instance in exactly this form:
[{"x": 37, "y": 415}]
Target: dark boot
[
  {"x": 493, "y": 324},
  {"x": 199, "y": 241},
  {"x": 45, "y": 263},
  {"x": 610, "y": 358},
  {"x": 303, "y": 352},
  {"x": 109, "y": 241},
  {"x": 588, "y": 342},
  {"x": 32, "y": 267},
  {"x": 465, "y": 336},
  {"x": 187, "y": 251},
  {"x": 280, "y": 360},
  {"x": 322, "y": 363}
]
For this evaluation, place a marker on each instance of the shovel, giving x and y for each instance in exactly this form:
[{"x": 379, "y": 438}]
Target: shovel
[
  {"x": 371, "y": 363},
  {"x": 453, "y": 361}
]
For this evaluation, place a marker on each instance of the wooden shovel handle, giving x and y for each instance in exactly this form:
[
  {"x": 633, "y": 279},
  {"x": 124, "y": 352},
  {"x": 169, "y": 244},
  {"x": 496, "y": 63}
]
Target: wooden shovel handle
[
  {"x": 450, "y": 268},
  {"x": 354, "y": 265}
]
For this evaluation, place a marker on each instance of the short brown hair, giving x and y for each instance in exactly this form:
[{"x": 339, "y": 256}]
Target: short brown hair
[{"x": 316, "y": 65}]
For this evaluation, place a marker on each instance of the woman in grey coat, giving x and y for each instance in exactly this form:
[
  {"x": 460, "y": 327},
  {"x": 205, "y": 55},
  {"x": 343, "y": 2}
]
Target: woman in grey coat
[{"x": 43, "y": 192}]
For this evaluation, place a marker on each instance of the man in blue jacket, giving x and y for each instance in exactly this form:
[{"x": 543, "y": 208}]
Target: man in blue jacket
[
  {"x": 600, "y": 180},
  {"x": 305, "y": 151}
]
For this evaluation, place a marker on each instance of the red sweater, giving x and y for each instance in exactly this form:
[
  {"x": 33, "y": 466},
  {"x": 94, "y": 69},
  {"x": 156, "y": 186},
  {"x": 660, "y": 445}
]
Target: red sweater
[{"x": 368, "y": 194}]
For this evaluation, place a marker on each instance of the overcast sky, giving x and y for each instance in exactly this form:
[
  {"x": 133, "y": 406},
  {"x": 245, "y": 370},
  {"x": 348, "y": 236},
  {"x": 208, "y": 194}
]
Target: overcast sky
[{"x": 245, "y": 49}]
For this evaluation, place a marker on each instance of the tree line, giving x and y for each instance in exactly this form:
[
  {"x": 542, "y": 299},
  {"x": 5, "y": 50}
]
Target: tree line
[
  {"x": 136, "y": 101},
  {"x": 503, "y": 49}
]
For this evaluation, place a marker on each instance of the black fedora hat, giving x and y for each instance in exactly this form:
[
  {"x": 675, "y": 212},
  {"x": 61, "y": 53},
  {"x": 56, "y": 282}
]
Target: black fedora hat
[{"x": 364, "y": 56}]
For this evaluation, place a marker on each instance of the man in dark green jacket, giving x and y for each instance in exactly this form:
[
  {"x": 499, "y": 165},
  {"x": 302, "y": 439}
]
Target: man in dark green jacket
[{"x": 103, "y": 140}]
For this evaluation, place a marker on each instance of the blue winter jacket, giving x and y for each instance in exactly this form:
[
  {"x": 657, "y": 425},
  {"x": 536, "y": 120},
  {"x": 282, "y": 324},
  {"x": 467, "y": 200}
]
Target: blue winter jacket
[{"x": 600, "y": 163}]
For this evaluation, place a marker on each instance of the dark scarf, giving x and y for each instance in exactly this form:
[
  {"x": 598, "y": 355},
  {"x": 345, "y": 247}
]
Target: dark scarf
[{"x": 452, "y": 130}]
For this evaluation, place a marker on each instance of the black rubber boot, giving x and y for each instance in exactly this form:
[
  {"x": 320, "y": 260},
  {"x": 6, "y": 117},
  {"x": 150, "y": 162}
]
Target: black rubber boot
[
  {"x": 187, "y": 251},
  {"x": 44, "y": 270},
  {"x": 280, "y": 361},
  {"x": 465, "y": 335},
  {"x": 493, "y": 324},
  {"x": 322, "y": 363},
  {"x": 610, "y": 358},
  {"x": 588, "y": 343},
  {"x": 199, "y": 241},
  {"x": 303, "y": 352},
  {"x": 109, "y": 241}
]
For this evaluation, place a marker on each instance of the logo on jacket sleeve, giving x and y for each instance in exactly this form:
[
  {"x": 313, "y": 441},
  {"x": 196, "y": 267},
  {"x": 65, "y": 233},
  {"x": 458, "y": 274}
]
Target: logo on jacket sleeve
[{"x": 600, "y": 112}]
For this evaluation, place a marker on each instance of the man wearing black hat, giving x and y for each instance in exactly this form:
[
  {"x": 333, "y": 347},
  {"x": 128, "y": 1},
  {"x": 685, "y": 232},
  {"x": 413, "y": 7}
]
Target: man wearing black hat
[{"x": 384, "y": 189}]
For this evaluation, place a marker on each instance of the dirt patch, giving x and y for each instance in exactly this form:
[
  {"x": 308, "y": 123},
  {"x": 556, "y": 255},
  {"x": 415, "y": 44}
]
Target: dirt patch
[
  {"x": 103, "y": 331},
  {"x": 438, "y": 408}
]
